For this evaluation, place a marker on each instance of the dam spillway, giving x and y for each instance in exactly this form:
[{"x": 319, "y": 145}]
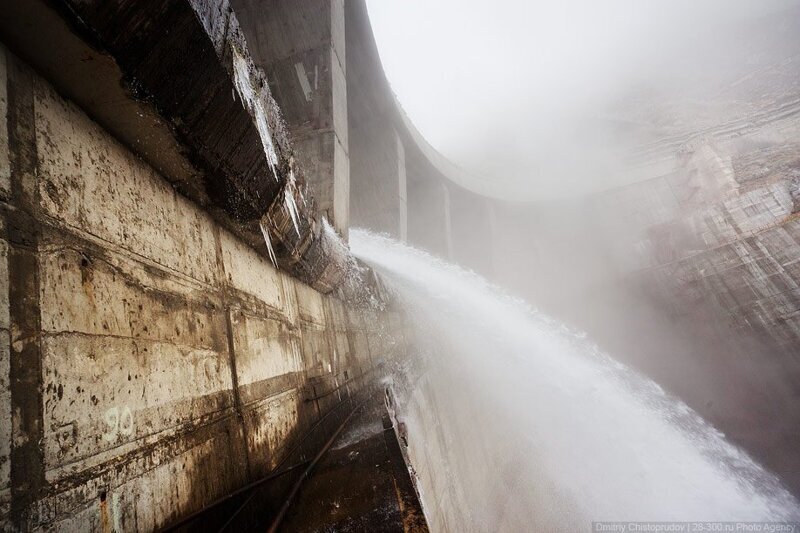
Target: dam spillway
[
  {"x": 572, "y": 419},
  {"x": 185, "y": 315}
]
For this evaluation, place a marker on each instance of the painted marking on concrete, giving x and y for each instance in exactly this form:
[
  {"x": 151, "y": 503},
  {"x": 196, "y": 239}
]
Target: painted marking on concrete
[
  {"x": 119, "y": 421},
  {"x": 303, "y": 78}
]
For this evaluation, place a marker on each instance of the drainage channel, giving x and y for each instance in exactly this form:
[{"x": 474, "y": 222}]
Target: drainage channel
[{"x": 356, "y": 481}]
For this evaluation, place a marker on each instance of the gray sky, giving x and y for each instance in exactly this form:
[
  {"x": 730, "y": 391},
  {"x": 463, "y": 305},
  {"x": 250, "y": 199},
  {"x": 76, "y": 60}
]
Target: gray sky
[{"x": 513, "y": 88}]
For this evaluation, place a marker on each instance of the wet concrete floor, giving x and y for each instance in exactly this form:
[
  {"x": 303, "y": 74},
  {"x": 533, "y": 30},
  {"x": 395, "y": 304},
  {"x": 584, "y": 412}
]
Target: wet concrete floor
[{"x": 360, "y": 484}]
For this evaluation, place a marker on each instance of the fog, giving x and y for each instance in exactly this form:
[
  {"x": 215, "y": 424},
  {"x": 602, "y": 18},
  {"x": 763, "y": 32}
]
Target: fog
[
  {"x": 534, "y": 94},
  {"x": 517, "y": 423},
  {"x": 646, "y": 157}
]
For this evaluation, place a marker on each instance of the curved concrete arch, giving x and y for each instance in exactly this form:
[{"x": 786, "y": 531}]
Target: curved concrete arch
[
  {"x": 400, "y": 184},
  {"x": 448, "y": 169},
  {"x": 358, "y": 18},
  {"x": 365, "y": 162}
]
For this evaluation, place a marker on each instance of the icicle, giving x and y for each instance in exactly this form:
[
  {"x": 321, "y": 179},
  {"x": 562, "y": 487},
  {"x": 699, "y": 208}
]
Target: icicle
[
  {"x": 267, "y": 240},
  {"x": 288, "y": 200},
  {"x": 291, "y": 208},
  {"x": 255, "y": 105}
]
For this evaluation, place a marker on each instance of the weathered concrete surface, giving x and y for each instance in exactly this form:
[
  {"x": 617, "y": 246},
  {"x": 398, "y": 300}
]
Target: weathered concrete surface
[
  {"x": 361, "y": 483},
  {"x": 379, "y": 176},
  {"x": 721, "y": 229},
  {"x": 154, "y": 359},
  {"x": 347, "y": 474},
  {"x": 93, "y": 80},
  {"x": 157, "y": 361},
  {"x": 5, "y": 388},
  {"x": 449, "y": 454},
  {"x": 5, "y": 169},
  {"x": 183, "y": 92},
  {"x": 301, "y": 47},
  {"x": 430, "y": 223}
]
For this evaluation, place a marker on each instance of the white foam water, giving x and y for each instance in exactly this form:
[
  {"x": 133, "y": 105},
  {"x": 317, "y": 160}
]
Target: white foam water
[{"x": 517, "y": 423}]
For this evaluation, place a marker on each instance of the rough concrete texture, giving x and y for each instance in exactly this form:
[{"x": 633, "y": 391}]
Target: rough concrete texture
[
  {"x": 5, "y": 169},
  {"x": 378, "y": 176},
  {"x": 175, "y": 363},
  {"x": 361, "y": 484},
  {"x": 5, "y": 389},
  {"x": 720, "y": 232},
  {"x": 300, "y": 45},
  {"x": 202, "y": 114}
]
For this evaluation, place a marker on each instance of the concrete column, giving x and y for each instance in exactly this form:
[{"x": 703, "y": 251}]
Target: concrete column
[
  {"x": 448, "y": 223},
  {"x": 402, "y": 191},
  {"x": 429, "y": 215},
  {"x": 378, "y": 178},
  {"x": 493, "y": 237},
  {"x": 300, "y": 44},
  {"x": 471, "y": 228}
]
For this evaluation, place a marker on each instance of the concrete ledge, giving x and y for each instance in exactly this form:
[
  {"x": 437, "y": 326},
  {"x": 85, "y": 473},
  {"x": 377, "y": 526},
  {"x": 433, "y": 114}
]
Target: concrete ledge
[{"x": 174, "y": 81}]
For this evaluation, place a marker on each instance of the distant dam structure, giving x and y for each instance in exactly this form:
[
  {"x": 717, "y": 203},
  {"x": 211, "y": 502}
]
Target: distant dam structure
[
  {"x": 566, "y": 435},
  {"x": 239, "y": 291}
]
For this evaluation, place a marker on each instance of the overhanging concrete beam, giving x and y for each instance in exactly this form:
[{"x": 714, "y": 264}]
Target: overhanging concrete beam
[
  {"x": 178, "y": 86},
  {"x": 300, "y": 44}
]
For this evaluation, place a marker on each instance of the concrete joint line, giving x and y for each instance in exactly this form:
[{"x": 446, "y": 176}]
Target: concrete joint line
[
  {"x": 27, "y": 454},
  {"x": 237, "y": 399}
]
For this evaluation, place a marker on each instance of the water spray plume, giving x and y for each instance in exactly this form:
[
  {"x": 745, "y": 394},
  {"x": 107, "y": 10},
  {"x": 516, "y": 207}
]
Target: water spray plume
[{"x": 515, "y": 421}]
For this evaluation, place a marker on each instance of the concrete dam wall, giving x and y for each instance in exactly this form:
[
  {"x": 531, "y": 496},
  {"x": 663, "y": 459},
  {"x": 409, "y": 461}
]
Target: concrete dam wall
[
  {"x": 181, "y": 315},
  {"x": 151, "y": 361}
]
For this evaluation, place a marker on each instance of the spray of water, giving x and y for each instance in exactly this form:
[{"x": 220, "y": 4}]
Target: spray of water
[{"x": 517, "y": 423}]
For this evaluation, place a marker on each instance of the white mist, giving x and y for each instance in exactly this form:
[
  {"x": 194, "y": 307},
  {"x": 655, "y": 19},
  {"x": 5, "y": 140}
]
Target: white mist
[{"x": 516, "y": 423}]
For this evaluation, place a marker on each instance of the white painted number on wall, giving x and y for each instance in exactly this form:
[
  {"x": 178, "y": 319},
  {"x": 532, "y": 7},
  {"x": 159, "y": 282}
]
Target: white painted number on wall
[{"x": 119, "y": 422}]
